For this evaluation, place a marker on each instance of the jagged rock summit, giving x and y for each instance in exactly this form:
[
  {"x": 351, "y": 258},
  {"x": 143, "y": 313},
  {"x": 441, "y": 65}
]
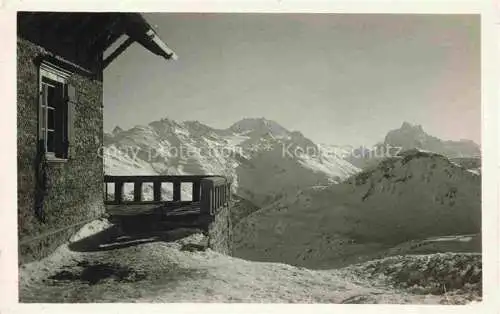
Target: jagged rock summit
[
  {"x": 410, "y": 136},
  {"x": 117, "y": 130}
]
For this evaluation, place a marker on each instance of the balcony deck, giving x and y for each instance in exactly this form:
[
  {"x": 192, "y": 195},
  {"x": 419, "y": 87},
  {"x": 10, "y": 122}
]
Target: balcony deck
[{"x": 209, "y": 194}]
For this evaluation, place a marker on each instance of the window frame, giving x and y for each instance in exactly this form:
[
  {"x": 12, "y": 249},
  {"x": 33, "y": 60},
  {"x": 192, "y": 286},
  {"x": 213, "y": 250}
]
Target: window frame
[{"x": 49, "y": 72}]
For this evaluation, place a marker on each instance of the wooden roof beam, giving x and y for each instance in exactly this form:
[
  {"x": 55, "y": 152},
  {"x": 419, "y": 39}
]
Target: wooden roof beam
[{"x": 117, "y": 52}]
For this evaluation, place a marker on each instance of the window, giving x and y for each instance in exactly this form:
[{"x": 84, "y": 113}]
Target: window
[{"x": 54, "y": 112}]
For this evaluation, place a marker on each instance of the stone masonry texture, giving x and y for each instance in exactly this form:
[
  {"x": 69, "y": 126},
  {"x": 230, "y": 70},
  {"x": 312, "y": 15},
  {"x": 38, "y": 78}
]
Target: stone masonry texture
[{"x": 75, "y": 187}]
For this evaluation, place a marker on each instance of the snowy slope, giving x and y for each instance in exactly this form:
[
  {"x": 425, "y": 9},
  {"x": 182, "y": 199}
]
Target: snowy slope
[
  {"x": 412, "y": 196},
  {"x": 258, "y": 154},
  {"x": 278, "y": 168}
]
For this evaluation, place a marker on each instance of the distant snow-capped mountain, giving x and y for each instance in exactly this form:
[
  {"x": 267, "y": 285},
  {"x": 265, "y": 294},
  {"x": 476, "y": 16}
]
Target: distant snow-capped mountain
[
  {"x": 264, "y": 159},
  {"x": 410, "y": 136}
]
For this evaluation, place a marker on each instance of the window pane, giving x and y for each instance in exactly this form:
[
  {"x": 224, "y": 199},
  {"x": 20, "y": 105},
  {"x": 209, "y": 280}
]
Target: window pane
[
  {"x": 51, "y": 119},
  {"x": 51, "y": 100},
  {"x": 186, "y": 191},
  {"x": 148, "y": 191},
  {"x": 53, "y": 116},
  {"x": 110, "y": 189},
  {"x": 167, "y": 191},
  {"x": 128, "y": 191},
  {"x": 50, "y": 142}
]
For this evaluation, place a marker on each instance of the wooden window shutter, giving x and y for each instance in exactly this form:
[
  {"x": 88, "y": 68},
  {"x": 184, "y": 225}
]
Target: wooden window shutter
[
  {"x": 71, "y": 117},
  {"x": 60, "y": 123},
  {"x": 41, "y": 115}
]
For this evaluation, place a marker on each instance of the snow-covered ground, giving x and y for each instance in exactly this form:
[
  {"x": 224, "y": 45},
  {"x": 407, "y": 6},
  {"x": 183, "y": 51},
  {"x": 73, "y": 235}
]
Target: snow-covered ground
[
  {"x": 317, "y": 211},
  {"x": 160, "y": 271}
]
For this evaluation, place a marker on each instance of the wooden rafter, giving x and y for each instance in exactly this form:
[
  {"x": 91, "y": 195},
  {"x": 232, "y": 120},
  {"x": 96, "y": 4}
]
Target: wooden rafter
[{"x": 117, "y": 52}]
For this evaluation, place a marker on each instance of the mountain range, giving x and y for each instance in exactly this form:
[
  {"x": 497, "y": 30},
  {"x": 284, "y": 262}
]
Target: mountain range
[
  {"x": 298, "y": 205},
  {"x": 264, "y": 160}
]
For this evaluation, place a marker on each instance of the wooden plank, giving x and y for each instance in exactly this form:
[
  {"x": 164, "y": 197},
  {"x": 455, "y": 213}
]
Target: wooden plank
[
  {"x": 166, "y": 204},
  {"x": 140, "y": 209},
  {"x": 187, "y": 211},
  {"x": 121, "y": 209},
  {"x": 162, "y": 178},
  {"x": 183, "y": 206}
]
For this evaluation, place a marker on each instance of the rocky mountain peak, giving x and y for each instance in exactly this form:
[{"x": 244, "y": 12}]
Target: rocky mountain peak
[
  {"x": 117, "y": 130},
  {"x": 259, "y": 126}
]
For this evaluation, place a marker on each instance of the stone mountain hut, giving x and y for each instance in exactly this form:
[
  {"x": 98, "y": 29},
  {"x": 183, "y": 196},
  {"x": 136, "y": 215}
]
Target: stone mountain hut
[{"x": 60, "y": 68}]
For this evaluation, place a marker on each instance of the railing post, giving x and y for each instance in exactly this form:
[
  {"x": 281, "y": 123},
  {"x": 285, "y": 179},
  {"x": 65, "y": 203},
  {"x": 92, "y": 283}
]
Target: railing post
[
  {"x": 223, "y": 195},
  {"x": 157, "y": 190},
  {"x": 196, "y": 191},
  {"x": 206, "y": 187},
  {"x": 137, "y": 191},
  {"x": 118, "y": 191},
  {"x": 212, "y": 201},
  {"x": 177, "y": 191},
  {"x": 216, "y": 199}
]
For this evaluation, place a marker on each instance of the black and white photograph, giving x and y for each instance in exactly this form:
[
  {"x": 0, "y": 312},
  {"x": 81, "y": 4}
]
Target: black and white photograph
[{"x": 249, "y": 157}]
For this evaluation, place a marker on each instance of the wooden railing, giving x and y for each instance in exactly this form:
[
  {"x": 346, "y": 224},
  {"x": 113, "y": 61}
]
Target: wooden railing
[
  {"x": 211, "y": 192},
  {"x": 215, "y": 193}
]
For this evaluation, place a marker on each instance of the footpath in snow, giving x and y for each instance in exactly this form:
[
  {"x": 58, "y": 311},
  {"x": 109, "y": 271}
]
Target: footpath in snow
[{"x": 98, "y": 266}]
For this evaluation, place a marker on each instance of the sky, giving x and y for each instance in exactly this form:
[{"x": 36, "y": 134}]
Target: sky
[{"x": 344, "y": 79}]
